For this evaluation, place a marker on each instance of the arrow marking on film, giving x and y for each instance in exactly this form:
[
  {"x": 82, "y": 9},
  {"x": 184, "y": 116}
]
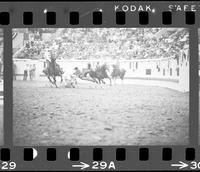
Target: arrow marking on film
[
  {"x": 181, "y": 165},
  {"x": 82, "y": 165}
]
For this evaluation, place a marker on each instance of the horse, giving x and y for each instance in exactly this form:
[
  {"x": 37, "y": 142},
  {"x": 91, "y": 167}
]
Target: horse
[
  {"x": 117, "y": 72},
  {"x": 99, "y": 74},
  {"x": 52, "y": 72},
  {"x": 83, "y": 75},
  {"x": 95, "y": 76}
]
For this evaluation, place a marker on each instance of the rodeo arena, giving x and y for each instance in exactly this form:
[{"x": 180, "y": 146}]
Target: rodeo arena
[{"x": 101, "y": 86}]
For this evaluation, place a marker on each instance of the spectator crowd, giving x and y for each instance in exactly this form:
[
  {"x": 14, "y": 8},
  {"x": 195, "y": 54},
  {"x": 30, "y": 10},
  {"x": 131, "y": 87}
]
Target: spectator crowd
[{"x": 108, "y": 43}]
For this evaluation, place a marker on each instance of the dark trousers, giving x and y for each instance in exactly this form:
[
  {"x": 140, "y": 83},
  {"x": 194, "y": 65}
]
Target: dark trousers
[{"x": 25, "y": 75}]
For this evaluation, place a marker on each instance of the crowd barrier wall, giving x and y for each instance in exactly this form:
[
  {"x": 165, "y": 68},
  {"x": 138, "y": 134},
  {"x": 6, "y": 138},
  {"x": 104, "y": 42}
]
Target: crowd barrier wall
[{"x": 172, "y": 73}]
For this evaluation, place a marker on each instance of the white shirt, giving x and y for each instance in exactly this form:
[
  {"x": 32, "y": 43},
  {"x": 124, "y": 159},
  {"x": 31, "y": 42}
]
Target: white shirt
[{"x": 47, "y": 55}]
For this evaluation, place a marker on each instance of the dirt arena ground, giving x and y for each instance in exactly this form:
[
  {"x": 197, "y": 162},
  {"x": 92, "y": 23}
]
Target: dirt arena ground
[
  {"x": 1, "y": 125},
  {"x": 90, "y": 115}
]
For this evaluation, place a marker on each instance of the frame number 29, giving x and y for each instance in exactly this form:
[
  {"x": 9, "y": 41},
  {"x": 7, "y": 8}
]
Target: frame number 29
[{"x": 8, "y": 165}]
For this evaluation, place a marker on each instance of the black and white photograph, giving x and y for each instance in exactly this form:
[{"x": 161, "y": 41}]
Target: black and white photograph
[
  {"x": 1, "y": 89},
  {"x": 100, "y": 86}
]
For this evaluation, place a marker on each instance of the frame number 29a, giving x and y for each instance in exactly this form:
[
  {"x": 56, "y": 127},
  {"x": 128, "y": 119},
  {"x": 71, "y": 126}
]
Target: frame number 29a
[
  {"x": 8, "y": 165},
  {"x": 103, "y": 165}
]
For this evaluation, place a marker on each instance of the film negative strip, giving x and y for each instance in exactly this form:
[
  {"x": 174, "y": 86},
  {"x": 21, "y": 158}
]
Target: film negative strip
[{"x": 99, "y": 86}]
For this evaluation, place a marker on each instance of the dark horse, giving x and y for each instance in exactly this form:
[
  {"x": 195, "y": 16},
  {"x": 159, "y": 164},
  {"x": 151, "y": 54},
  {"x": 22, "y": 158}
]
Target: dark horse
[
  {"x": 117, "y": 72},
  {"x": 53, "y": 70},
  {"x": 99, "y": 74}
]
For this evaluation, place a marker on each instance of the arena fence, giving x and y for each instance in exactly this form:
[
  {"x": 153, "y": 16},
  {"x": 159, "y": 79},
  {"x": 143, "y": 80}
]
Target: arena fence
[{"x": 171, "y": 72}]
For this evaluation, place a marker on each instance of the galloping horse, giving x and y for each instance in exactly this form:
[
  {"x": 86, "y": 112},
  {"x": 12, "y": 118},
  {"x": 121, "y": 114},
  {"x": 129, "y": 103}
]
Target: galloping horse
[
  {"x": 99, "y": 73},
  {"x": 117, "y": 72},
  {"x": 52, "y": 71},
  {"x": 96, "y": 75}
]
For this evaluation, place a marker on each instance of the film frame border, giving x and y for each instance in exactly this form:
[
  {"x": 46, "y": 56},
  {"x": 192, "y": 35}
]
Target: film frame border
[{"x": 16, "y": 21}]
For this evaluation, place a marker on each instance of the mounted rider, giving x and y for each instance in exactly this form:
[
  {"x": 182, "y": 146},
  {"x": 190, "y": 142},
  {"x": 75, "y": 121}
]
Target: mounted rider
[
  {"x": 51, "y": 60},
  {"x": 84, "y": 73},
  {"x": 89, "y": 68},
  {"x": 98, "y": 66}
]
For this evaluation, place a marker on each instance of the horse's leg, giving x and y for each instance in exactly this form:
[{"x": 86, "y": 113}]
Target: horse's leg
[
  {"x": 54, "y": 80},
  {"x": 108, "y": 78},
  {"x": 50, "y": 79},
  {"x": 110, "y": 81},
  {"x": 96, "y": 81},
  {"x": 61, "y": 79},
  {"x": 99, "y": 80},
  {"x": 92, "y": 79},
  {"x": 89, "y": 79},
  {"x": 103, "y": 81}
]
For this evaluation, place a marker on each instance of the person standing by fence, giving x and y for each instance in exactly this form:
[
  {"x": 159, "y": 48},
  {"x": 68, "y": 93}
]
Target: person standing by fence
[
  {"x": 30, "y": 72},
  {"x": 33, "y": 71},
  {"x": 26, "y": 72}
]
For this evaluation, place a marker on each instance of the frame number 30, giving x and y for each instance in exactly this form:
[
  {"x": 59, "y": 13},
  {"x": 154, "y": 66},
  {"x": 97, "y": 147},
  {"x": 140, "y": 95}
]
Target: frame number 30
[{"x": 195, "y": 165}]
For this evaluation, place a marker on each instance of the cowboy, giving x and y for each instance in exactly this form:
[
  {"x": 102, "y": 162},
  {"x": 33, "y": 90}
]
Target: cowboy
[
  {"x": 78, "y": 73},
  {"x": 53, "y": 62},
  {"x": 89, "y": 68},
  {"x": 98, "y": 66},
  {"x": 70, "y": 81}
]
